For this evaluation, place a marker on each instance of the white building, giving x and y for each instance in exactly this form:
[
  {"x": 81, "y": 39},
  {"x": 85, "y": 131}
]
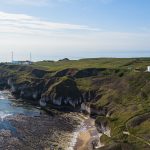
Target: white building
[
  {"x": 22, "y": 62},
  {"x": 27, "y": 62},
  {"x": 148, "y": 68}
]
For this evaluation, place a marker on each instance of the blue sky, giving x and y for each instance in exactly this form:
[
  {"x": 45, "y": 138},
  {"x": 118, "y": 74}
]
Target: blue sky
[{"x": 53, "y": 29}]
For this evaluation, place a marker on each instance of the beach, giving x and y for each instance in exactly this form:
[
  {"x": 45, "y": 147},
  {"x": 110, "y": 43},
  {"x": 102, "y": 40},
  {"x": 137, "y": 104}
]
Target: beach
[{"x": 87, "y": 136}]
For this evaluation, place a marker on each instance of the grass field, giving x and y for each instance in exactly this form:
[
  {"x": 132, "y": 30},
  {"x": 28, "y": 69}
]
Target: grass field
[{"x": 141, "y": 63}]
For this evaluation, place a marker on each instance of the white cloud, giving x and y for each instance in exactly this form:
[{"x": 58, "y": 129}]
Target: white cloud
[
  {"x": 33, "y": 2},
  {"x": 23, "y": 33},
  {"x": 45, "y": 2},
  {"x": 21, "y": 23},
  {"x": 25, "y": 2}
]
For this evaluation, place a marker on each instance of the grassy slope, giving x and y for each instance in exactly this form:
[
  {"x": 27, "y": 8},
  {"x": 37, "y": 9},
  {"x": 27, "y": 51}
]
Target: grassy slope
[
  {"x": 84, "y": 63},
  {"x": 125, "y": 91},
  {"x": 128, "y": 104}
]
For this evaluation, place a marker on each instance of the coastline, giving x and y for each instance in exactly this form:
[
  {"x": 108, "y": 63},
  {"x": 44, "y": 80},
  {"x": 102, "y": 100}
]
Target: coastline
[
  {"x": 86, "y": 136},
  {"x": 44, "y": 132},
  {"x": 30, "y": 128},
  {"x": 76, "y": 132},
  {"x": 81, "y": 137}
]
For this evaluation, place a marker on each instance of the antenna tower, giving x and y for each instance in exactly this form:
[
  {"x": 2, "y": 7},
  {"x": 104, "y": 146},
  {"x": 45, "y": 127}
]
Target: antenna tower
[
  {"x": 30, "y": 57},
  {"x": 12, "y": 56}
]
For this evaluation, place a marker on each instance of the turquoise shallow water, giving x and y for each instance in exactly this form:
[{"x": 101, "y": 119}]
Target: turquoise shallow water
[{"x": 9, "y": 107}]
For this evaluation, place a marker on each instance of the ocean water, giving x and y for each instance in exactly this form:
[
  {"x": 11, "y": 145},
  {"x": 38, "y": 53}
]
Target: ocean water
[{"x": 10, "y": 106}]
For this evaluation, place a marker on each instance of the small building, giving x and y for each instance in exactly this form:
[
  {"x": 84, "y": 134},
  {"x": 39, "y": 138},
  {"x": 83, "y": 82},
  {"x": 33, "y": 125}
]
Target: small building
[
  {"x": 27, "y": 62},
  {"x": 148, "y": 68}
]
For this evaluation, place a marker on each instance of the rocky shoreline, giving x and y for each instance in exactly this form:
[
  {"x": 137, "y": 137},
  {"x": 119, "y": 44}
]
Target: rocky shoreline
[
  {"x": 68, "y": 131},
  {"x": 39, "y": 132},
  {"x": 60, "y": 91},
  {"x": 60, "y": 131}
]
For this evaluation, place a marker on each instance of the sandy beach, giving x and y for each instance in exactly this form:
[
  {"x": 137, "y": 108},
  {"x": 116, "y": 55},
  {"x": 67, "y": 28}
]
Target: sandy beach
[{"x": 88, "y": 136}]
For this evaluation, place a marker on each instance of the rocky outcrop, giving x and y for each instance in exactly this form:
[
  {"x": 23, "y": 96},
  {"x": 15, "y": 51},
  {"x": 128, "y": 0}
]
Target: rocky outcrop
[
  {"x": 89, "y": 72},
  {"x": 89, "y": 95},
  {"x": 102, "y": 124},
  {"x": 86, "y": 107},
  {"x": 137, "y": 120},
  {"x": 39, "y": 73},
  {"x": 66, "y": 72},
  {"x": 55, "y": 91},
  {"x": 63, "y": 93},
  {"x": 3, "y": 83},
  {"x": 26, "y": 90},
  {"x": 58, "y": 89}
]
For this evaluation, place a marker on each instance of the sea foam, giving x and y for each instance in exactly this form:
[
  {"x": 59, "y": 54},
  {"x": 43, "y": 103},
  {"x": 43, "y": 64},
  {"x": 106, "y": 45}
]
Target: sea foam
[{"x": 3, "y": 115}]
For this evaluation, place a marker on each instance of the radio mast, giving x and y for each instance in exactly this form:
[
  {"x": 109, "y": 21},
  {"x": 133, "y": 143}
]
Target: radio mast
[
  {"x": 30, "y": 57},
  {"x": 12, "y": 56}
]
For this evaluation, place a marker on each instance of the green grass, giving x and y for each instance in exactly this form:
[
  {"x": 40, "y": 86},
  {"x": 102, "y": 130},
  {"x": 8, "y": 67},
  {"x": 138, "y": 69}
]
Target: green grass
[
  {"x": 84, "y": 63},
  {"x": 123, "y": 88},
  {"x": 127, "y": 63},
  {"x": 84, "y": 84}
]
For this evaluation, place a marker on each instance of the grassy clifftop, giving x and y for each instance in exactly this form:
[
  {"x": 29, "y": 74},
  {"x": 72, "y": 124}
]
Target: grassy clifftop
[
  {"x": 120, "y": 87},
  {"x": 95, "y": 63}
]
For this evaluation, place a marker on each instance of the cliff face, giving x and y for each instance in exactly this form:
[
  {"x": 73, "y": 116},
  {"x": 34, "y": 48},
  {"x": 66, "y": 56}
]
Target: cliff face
[
  {"x": 63, "y": 92},
  {"x": 118, "y": 98},
  {"x": 57, "y": 88}
]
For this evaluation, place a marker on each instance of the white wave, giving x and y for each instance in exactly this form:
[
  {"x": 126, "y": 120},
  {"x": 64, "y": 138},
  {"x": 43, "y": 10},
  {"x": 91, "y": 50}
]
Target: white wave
[
  {"x": 5, "y": 95},
  {"x": 73, "y": 141},
  {"x": 3, "y": 115},
  {"x": 75, "y": 136},
  {"x": 1, "y": 97}
]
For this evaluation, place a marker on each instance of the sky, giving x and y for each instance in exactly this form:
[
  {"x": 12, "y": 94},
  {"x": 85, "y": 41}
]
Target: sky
[{"x": 56, "y": 29}]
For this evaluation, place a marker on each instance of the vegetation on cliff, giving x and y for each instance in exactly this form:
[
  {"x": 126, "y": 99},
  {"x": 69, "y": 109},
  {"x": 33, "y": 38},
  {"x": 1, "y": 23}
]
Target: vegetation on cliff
[{"x": 116, "y": 91}]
